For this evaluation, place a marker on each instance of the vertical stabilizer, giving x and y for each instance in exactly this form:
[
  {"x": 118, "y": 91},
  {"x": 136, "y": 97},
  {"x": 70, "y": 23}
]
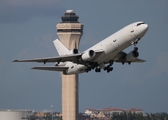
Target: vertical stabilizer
[{"x": 61, "y": 49}]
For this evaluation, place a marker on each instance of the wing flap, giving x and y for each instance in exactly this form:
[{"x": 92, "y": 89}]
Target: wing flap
[{"x": 51, "y": 68}]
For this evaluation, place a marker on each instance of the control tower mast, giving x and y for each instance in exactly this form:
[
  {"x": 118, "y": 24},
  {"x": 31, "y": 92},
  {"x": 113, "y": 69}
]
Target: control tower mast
[{"x": 69, "y": 32}]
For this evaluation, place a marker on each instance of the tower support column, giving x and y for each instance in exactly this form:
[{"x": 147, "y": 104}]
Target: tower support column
[
  {"x": 70, "y": 97},
  {"x": 69, "y": 32}
]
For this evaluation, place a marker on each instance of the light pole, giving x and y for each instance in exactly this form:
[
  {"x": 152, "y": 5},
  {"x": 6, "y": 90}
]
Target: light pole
[{"x": 52, "y": 109}]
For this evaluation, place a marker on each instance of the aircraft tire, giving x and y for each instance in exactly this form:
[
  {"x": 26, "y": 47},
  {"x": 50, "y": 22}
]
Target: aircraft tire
[
  {"x": 136, "y": 48},
  {"x": 97, "y": 70},
  {"x": 111, "y": 68}
]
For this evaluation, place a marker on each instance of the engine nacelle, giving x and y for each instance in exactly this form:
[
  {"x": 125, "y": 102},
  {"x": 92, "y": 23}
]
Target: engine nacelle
[
  {"x": 74, "y": 51},
  {"x": 131, "y": 56},
  {"x": 87, "y": 56}
]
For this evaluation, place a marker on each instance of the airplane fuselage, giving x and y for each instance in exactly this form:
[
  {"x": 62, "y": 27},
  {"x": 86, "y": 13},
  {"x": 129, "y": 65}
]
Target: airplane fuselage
[{"x": 112, "y": 45}]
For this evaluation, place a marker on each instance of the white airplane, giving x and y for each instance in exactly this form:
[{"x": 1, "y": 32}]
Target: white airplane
[{"x": 97, "y": 57}]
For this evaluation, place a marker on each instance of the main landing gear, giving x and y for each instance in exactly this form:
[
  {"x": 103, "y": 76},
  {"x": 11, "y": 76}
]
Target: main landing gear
[
  {"x": 97, "y": 68},
  {"x": 91, "y": 66},
  {"x": 108, "y": 68}
]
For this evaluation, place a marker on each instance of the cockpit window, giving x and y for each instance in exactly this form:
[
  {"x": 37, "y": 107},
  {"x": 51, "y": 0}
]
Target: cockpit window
[{"x": 140, "y": 23}]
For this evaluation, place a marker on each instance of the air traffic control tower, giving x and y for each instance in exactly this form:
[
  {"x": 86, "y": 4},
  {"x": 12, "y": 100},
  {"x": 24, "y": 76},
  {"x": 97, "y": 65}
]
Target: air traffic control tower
[{"x": 69, "y": 32}]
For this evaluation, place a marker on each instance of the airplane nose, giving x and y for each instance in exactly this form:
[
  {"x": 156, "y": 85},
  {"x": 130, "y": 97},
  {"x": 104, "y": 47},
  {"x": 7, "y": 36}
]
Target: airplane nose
[
  {"x": 145, "y": 27},
  {"x": 142, "y": 29}
]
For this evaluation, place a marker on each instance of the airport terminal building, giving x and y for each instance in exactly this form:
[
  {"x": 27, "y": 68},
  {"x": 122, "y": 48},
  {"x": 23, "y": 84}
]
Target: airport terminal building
[{"x": 14, "y": 114}]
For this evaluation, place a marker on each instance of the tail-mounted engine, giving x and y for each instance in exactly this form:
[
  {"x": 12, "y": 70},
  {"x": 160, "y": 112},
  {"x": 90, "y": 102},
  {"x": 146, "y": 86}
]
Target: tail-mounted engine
[
  {"x": 74, "y": 51},
  {"x": 131, "y": 56},
  {"x": 89, "y": 55}
]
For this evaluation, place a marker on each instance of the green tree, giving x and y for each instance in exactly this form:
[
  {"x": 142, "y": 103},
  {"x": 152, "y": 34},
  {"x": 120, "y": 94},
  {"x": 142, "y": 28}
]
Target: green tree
[
  {"x": 123, "y": 116},
  {"x": 115, "y": 116},
  {"x": 129, "y": 116},
  {"x": 59, "y": 118},
  {"x": 32, "y": 117}
]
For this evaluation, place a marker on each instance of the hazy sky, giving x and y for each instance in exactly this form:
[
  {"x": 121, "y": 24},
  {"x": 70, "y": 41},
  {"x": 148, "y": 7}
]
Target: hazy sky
[{"x": 27, "y": 29}]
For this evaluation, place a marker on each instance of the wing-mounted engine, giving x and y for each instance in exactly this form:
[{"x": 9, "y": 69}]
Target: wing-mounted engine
[
  {"x": 89, "y": 55},
  {"x": 74, "y": 51},
  {"x": 131, "y": 56}
]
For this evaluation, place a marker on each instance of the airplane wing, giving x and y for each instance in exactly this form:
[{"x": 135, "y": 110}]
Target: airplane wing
[
  {"x": 76, "y": 58},
  {"x": 51, "y": 68},
  {"x": 121, "y": 57},
  {"x": 64, "y": 58}
]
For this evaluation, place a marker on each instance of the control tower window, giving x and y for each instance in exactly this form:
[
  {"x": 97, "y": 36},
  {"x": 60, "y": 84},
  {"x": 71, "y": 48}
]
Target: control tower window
[
  {"x": 70, "y": 18},
  {"x": 69, "y": 30},
  {"x": 75, "y": 30},
  {"x": 59, "y": 30}
]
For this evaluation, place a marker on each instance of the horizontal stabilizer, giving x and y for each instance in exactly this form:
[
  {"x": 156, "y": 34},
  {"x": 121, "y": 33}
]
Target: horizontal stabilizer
[{"x": 51, "y": 68}]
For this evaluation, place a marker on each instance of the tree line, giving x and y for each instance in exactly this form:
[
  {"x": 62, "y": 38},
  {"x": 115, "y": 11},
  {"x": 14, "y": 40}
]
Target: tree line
[
  {"x": 139, "y": 116},
  {"x": 114, "y": 116}
]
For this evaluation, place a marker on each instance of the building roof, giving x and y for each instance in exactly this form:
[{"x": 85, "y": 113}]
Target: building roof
[
  {"x": 70, "y": 17},
  {"x": 114, "y": 109}
]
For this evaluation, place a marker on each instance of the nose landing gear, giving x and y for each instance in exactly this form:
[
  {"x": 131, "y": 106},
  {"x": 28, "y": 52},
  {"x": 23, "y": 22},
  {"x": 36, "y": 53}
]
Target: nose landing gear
[
  {"x": 136, "y": 48},
  {"x": 135, "y": 43}
]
